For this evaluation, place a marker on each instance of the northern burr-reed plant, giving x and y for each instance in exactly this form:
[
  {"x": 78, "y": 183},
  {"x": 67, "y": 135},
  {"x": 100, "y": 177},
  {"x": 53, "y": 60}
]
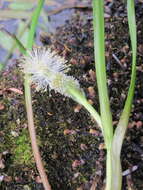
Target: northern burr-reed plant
[
  {"x": 113, "y": 140},
  {"x": 45, "y": 68}
]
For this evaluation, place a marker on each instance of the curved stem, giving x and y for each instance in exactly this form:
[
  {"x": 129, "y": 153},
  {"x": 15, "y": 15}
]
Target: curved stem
[
  {"x": 79, "y": 97},
  {"x": 32, "y": 133},
  {"x": 93, "y": 112},
  {"x": 28, "y": 100}
]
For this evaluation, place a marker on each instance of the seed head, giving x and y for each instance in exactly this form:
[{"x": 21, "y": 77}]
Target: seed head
[{"x": 47, "y": 69}]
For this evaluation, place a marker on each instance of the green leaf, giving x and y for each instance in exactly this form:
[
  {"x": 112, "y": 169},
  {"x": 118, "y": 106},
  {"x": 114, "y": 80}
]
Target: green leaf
[
  {"x": 34, "y": 24},
  {"x": 123, "y": 122},
  {"x": 105, "y": 112},
  {"x": 99, "y": 51},
  {"x": 24, "y": 37},
  {"x": 13, "y": 37}
]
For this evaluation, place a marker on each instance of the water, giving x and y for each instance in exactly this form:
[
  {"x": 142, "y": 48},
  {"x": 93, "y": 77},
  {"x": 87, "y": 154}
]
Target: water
[{"x": 46, "y": 23}]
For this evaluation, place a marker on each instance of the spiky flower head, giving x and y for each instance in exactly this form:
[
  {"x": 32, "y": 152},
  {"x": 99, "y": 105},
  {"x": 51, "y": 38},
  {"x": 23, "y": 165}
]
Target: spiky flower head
[{"x": 47, "y": 69}]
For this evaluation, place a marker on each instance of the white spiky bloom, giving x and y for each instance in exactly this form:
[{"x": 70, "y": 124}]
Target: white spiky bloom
[{"x": 47, "y": 69}]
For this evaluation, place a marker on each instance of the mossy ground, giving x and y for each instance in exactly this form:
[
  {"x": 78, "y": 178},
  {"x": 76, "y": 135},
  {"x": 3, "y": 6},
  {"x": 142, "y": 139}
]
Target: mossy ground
[{"x": 59, "y": 150}]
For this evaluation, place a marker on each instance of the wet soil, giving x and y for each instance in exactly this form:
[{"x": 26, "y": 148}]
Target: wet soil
[{"x": 70, "y": 142}]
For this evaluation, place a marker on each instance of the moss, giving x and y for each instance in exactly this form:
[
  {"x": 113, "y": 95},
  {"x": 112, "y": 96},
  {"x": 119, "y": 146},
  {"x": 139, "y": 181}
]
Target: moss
[
  {"x": 14, "y": 136},
  {"x": 21, "y": 151},
  {"x": 17, "y": 143}
]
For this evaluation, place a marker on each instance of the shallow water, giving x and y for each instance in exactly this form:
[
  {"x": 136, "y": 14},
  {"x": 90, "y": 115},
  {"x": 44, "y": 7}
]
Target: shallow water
[{"x": 53, "y": 21}]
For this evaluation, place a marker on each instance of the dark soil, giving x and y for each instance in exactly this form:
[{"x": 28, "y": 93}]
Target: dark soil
[{"x": 70, "y": 142}]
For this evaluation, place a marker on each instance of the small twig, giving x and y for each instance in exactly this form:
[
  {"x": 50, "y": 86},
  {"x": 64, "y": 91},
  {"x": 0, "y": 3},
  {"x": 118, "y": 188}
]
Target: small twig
[
  {"x": 129, "y": 182},
  {"x": 117, "y": 60},
  {"x": 129, "y": 171}
]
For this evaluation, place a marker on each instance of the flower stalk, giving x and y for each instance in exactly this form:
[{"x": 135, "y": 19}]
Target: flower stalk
[
  {"x": 28, "y": 101},
  {"x": 48, "y": 70},
  {"x": 32, "y": 133}
]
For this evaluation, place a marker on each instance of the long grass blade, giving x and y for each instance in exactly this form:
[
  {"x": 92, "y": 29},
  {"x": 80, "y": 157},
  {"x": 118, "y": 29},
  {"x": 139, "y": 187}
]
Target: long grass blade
[
  {"x": 19, "y": 44},
  {"x": 99, "y": 49},
  {"x": 123, "y": 122},
  {"x": 34, "y": 24},
  {"x": 106, "y": 116}
]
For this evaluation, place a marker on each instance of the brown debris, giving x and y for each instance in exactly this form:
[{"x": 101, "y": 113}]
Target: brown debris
[
  {"x": 38, "y": 179},
  {"x": 91, "y": 92},
  {"x": 69, "y": 132},
  {"x": 77, "y": 108},
  {"x": 7, "y": 178},
  {"x": 17, "y": 91},
  {"x": 94, "y": 132},
  {"x": 92, "y": 74},
  {"x": 1, "y": 106}
]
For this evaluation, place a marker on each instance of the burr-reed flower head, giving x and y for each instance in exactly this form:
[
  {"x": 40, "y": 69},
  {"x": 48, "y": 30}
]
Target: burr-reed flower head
[{"x": 47, "y": 69}]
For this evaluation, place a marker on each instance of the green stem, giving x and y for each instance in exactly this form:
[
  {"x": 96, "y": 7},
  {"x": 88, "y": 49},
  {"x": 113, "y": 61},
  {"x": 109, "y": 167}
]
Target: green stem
[
  {"x": 117, "y": 170},
  {"x": 109, "y": 170},
  {"x": 93, "y": 112},
  {"x": 79, "y": 97},
  {"x": 106, "y": 116}
]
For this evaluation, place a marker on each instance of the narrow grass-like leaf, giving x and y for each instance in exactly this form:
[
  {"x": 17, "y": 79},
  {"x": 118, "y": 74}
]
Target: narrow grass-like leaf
[
  {"x": 98, "y": 24},
  {"x": 106, "y": 116},
  {"x": 14, "y": 45},
  {"x": 19, "y": 44},
  {"x": 34, "y": 24},
  {"x": 123, "y": 122}
]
